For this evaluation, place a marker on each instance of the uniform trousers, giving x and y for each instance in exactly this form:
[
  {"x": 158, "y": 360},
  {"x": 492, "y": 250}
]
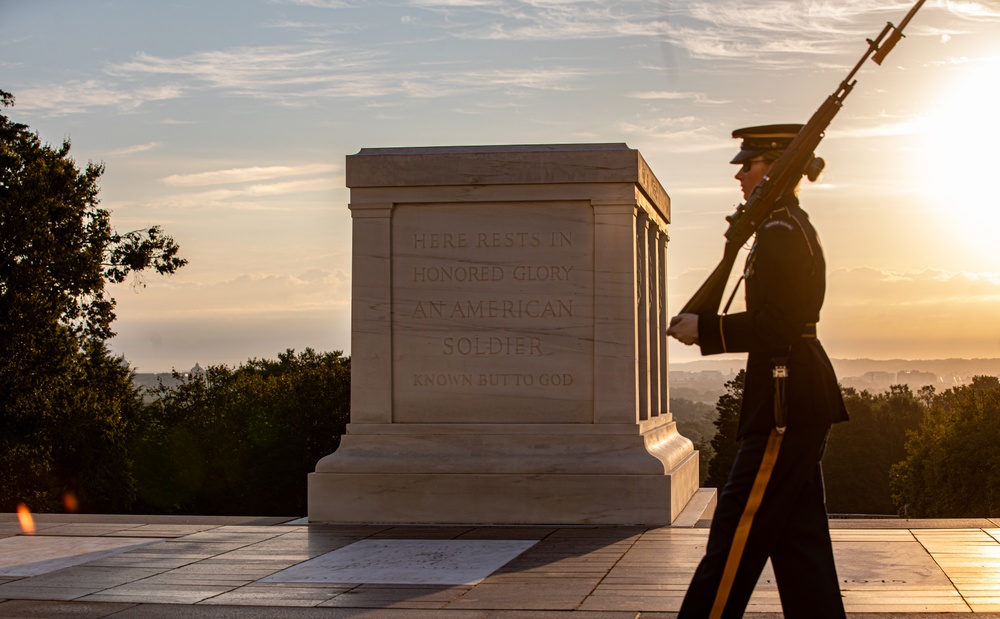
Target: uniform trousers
[{"x": 786, "y": 522}]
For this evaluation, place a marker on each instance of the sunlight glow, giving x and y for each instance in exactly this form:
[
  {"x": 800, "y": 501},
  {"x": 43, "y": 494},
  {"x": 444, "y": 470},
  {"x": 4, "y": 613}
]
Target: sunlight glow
[
  {"x": 970, "y": 9},
  {"x": 957, "y": 169}
]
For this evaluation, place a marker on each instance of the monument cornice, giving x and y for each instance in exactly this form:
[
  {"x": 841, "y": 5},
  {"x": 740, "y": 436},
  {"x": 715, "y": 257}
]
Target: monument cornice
[{"x": 532, "y": 164}]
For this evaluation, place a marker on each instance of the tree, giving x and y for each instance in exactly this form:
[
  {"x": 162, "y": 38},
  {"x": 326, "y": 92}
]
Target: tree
[
  {"x": 860, "y": 453},
  {"x": 724, "y": 444},
  {"x": 696, "y": 421},
  {"x": 952, "y": 467},
  {"x": 67, "y": 406},
  {"x": 241, "y": 441}
]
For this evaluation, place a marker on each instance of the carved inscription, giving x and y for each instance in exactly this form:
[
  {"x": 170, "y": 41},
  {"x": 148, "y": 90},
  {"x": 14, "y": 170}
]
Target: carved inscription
[{"x": 493, "y": 313}]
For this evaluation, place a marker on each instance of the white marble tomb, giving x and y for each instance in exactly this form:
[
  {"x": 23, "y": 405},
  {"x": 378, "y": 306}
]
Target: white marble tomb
[{"x": 509, "y": 358}]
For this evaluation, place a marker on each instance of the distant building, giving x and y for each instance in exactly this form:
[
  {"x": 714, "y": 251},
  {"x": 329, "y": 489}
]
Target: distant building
[
  {"x": 872, "y": 382},
  {"x": 915, "y": 379},
  {"x": 879, "y": 378}
]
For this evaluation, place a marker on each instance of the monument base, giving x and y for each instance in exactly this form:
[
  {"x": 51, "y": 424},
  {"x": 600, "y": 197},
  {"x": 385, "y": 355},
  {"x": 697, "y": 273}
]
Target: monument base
[{"x": 565, "y": 474}]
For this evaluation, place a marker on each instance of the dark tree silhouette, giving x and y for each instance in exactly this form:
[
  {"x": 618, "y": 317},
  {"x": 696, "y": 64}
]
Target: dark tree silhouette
[
  {"x": 724, "y": 444},
  {"x": 67, "y": 406}
]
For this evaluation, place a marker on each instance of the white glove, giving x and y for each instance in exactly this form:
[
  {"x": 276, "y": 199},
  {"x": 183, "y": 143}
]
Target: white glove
[{"x": 684, "y": 327}]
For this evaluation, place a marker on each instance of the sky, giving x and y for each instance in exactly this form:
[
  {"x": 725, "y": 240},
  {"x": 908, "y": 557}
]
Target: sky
[{"x": 228, "y": 123}]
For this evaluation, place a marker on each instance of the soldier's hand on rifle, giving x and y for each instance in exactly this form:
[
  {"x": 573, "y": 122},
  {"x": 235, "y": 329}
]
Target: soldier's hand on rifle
[{"x": 684, "y": 327}]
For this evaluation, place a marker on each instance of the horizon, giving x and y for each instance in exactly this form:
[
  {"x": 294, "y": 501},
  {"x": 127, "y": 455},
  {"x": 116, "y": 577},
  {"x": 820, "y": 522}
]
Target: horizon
[
  {"x": 228, "y": 124},
  {"x": 712, "y": 360}
]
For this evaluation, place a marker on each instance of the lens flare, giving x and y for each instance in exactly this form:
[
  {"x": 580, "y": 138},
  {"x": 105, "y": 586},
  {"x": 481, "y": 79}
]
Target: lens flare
[
  {"x": 70, "y": 503},
  {"x": 961, "y": 134},
  {"x": 24, "y": 517}
]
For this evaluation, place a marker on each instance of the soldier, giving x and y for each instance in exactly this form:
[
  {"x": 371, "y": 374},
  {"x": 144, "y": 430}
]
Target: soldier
[{"x": 773, "y": 504}]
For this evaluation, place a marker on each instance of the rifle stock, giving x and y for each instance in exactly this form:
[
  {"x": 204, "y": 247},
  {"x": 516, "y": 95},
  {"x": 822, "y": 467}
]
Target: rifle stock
[
  {"x": 784, "y": 175},
  {"x": 709, "y": 295}
]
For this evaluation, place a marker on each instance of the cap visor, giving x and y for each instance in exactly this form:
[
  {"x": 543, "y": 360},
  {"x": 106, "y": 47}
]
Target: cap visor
[{"x": 745, "y": 155}]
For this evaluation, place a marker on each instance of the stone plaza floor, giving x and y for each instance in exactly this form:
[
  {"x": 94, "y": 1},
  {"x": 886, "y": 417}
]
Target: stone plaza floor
[{"x": 131, "y": 567}]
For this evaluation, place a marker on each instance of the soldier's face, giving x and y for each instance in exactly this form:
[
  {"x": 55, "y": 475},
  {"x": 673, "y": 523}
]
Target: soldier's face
[{"x": 751, "y": 173}]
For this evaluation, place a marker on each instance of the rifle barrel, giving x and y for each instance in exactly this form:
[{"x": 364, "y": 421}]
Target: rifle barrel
[
  {"x": 786, "y": 172},
  {"x": 897, "y": 34},
  {"x": 909, "y": 16}
]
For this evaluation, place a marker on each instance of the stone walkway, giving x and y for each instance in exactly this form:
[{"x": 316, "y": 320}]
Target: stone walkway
[{"x": 139, "y": 567}]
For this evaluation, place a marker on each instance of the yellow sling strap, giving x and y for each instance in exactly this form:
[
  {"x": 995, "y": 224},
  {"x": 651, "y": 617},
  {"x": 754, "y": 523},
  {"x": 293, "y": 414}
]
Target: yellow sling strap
[{"x": 746, "y": 521}]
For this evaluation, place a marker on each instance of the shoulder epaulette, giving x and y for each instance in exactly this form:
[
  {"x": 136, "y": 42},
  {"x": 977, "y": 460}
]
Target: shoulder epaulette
[{"x": 778, "y": 223}]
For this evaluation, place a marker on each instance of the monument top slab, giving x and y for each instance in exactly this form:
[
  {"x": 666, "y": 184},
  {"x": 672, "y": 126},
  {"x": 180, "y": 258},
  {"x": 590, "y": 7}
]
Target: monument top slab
[{"x": 530, "y": 164}]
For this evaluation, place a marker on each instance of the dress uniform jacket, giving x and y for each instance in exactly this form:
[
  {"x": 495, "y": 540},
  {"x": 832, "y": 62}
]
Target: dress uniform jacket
[
  {"x": 772, "y": 505},
  {"x": 785, "y": 284}
]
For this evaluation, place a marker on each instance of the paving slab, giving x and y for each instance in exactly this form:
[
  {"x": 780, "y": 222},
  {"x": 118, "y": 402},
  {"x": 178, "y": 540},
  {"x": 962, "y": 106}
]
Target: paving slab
[
  {"x": 293, "y": 595},
  {"x": 160, "y": 611},
  {"x": 43, "y": 519},
  {"x": 141, "y": 592},
  {"x": 889, "y": 568},
  {"x": 910, "y": 523},
  {"x": 407, "y": 561},
  {"x": 380, "y": 596},
  {"x": 31, "y": 555},
  {"x": 25, "y": 609}
]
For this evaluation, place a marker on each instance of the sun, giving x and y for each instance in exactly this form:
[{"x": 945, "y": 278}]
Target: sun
[{"x": 959, "y": 167}]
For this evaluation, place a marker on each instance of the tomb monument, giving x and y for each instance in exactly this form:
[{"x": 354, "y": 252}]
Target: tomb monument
[{"x": 508, "y": 351}]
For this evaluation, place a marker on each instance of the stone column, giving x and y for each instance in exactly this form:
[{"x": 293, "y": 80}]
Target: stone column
[{"x": 508, "y": 342}]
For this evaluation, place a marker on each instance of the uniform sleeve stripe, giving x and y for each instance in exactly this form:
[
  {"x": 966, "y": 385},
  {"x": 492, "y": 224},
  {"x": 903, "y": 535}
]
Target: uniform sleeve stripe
[
  {"x": 804, "y": 235},
  {"x": 722, "y": 334}
]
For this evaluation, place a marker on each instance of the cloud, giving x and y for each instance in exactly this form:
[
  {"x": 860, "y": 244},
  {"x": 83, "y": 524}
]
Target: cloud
[
  {"x": 267, "y": 189},
  {"x": 252, "y": 188},
  {"x": 331, "y": 62},
  {"x": 251, "y": 293},
  {"x": 927, "y": 287},
  {"x": 77, "y": 96},
  {"x": 687, "y": 134},
  {"x": 257, "y": 197},
  {"x": 884, "y": 128},
  {"x": 783, "y": 16},
  {"x": 319, "y": 4},
  {"x": 137, "y": 148},
  {"x": 248, "y": 68},
  {"x": 307, "y": 74},
  {"x": 247, "y": 174},
  {"x": 780, "y": 33},
  {"x": 974, "y": 10},
  {"x": 883, "y": 314},
  {"x": 922, "y": 314},
  {"x": 525, "y": 21},
  {"x": 175, "y": 324},
  {"x": 453, "y": 3},
  {"x": 696, "y": 97},
  {"x": 721, "y": 29}
]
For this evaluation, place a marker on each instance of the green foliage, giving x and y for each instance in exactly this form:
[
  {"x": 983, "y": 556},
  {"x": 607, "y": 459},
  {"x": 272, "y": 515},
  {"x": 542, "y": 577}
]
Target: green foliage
[
  {"x": 241, "y": 441},
  {"x": 724, "y": 444},
  {"x": 952, "y": 468},
  {"x": 860, "y": 453},
  {"x": 67, "y": 406},
  {"x": 696, "y": 421},
  {"x": 66, "y": 423}
]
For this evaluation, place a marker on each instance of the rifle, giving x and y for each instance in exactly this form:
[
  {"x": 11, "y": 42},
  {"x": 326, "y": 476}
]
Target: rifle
[{"x": 797, "y": 160}]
